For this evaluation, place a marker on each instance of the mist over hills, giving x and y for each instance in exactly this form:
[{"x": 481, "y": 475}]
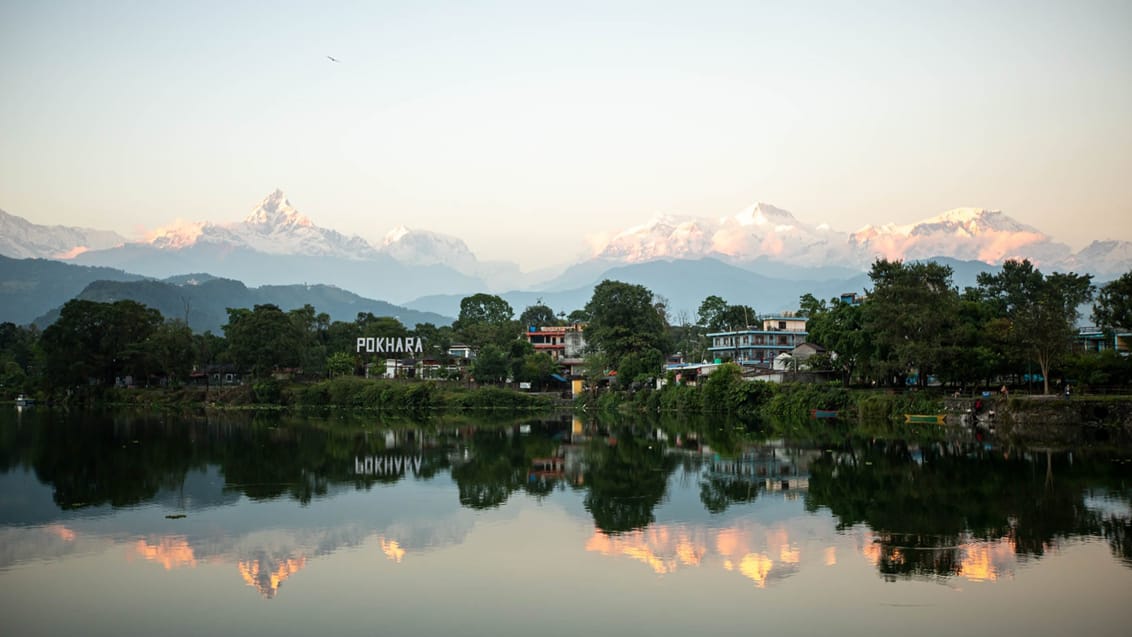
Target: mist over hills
[
  {"x": 33, "y": 290},
  {"x": 203, "y": 305},
  {"x": 761, "y": 256},
  {"x": 30, "y": 287}
]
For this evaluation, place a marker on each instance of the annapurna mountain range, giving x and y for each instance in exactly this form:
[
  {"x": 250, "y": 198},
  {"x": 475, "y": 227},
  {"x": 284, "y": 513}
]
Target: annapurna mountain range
[{"x": 276, "y": 244}]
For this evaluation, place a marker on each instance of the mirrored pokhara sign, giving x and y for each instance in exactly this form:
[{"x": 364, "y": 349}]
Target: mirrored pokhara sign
[{"x": 390, "y": 345}]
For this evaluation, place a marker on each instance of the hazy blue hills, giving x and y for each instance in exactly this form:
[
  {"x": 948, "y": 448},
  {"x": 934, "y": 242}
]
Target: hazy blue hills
[
  {"x": 684, "y": 282},
  {"x": 204, "y": 304},
  {"x": 33, "y": 290},
  {"x": 379, "y": 276},
  {"x": 30, "y": 287}
]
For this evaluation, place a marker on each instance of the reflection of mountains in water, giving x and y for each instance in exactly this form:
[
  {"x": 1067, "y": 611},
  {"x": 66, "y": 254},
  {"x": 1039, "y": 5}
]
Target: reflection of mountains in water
[{"x": 918, "y": 500}]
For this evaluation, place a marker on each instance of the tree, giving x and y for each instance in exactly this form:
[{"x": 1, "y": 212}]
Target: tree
[
  {"x": 171, "y": 347},
  {"x": 624, "y": 321},
  {"x": 538, "y": 315},
  {"x": 263, "y": 338},
  {"x": 840, "y": 329},
  {"x": 536, "y": 368},
  {"x": 484, "y": 319},
  {"x": 491, "y": 364},
  {"x": 98, "y": 341},
  {"x": 313, "y": 330},
  {"x": 1042, "y": 310},
  {"x": 1113, "y": 309},
  {"x": 436, "y": 341},
  {"x": 340, "y": 364},
  {"x": 711, "y": 313},
  {"x": 910, "y": 313},
  {"x": 719, "y": 316},
  {"x": 483, "y": 308}
]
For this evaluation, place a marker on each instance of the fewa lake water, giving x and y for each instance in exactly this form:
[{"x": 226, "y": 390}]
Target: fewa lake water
[{"x": 120, "y": 524}]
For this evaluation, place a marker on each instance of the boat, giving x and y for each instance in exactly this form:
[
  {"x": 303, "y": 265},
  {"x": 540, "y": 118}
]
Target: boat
[
  {"x": 823, "y": 413},
  {"x": 924, "y": 419},
  {"x": 24, "y": 401}
]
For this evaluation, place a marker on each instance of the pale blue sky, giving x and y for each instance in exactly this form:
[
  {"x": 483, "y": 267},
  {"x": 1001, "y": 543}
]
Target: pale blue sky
[{"x": 495, "y": 120}]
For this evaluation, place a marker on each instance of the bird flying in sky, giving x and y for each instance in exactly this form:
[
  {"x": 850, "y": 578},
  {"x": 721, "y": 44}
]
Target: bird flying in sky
[{"x": 332, "y": 58}]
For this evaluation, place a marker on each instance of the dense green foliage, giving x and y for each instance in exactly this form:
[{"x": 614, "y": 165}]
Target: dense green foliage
[
  {"x": 1113, "y": 309},
  {"x": 626, "y": 326},
  {"x": 914, "y": 328}
]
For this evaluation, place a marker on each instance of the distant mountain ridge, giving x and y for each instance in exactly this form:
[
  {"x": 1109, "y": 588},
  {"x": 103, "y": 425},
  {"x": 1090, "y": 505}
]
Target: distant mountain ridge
[
  {"x": 32, "y": 290},
  {"x": 30, "y": 287},
  {"x": 761, "y": 245},
  {"x": 21, "y": 239},
  {"x": 204, "y": 305}
]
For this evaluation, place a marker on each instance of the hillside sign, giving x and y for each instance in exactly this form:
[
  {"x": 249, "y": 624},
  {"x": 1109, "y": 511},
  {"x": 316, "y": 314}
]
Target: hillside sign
[{"x": 390, "y": 345}]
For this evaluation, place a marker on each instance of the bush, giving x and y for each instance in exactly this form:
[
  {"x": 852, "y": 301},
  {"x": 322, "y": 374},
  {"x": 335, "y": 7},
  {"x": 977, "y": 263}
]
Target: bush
[{"x": 267, "y": 391}]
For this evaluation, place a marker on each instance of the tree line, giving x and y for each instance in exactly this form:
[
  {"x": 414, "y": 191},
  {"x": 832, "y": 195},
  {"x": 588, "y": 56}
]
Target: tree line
[
  {"x": 914, "y": 326},
  {"x": 1017, "y": 324}
]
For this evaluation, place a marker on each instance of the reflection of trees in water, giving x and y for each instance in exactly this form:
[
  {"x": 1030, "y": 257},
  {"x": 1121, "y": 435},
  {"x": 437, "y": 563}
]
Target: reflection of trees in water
[
  {"x": 918, "y": 500},
  {"x": 627, "y": 479},
  {"x": 924, "y": 503},
  {"x": 494, "y": 470},
  {"x": 719, "y": 493},
  {"x": 1118, "y": 532}
]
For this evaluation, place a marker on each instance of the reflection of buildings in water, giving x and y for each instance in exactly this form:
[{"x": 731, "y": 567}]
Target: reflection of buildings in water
[
  {"x": 568, "y": 464},
  {"x": 939, "y": 557},
  {"x": 757, "y": 553},
  {"x": 767, "y": 469}
]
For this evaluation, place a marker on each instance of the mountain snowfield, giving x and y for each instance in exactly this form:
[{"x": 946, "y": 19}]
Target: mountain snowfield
[
  {"x": 759, "y": 233},
  {"x": 21, "y": 239},
  {"x": 273, "y": 227},
  {"x": 764, "y": 231}
]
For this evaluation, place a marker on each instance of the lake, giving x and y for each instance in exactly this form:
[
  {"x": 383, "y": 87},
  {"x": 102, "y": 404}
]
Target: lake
[{"x": 131, "y": 524}]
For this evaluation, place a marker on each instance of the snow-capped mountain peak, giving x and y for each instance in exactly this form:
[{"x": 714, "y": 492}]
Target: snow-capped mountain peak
[
  {"x": 963, "y": 233},
  {"x": 177, "y": 235},
  {"x": 276, "y": 212},
  {"x": 762, "y": 214},
  {"x": 663, "y": 236},
  {"x": 395, "y": 235},
  {"x": 19, "y": 238},
  {"x": 421, "y": 247}
]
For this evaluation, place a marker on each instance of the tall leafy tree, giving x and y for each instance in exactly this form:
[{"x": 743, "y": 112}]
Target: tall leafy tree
[
  {"x": 1113, "y": 309},
  {"x": 98, "y": 341},
  {"x": 717, "y": 315},
  {"x": 910, "y": 314},
  {"x": 624, "y": 321},
  {"x": 538, "y": 315},
  {"x": 491, "y": 365},
  {"x": 171, "y": 347},
  {"x": 486, "y": 318},
  {"x": 313, "y": 330},
  {"x": 263, "y": 338},
  {"x": 839, "y": 328},
  {"x": 1042, "y": 310}
]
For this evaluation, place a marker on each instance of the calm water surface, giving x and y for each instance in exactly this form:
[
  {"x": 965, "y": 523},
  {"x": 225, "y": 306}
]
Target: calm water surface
[{"x": 118, "y": 524}]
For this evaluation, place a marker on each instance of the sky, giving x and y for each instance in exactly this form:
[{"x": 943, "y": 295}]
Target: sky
[{"x": 528, "y": 128}]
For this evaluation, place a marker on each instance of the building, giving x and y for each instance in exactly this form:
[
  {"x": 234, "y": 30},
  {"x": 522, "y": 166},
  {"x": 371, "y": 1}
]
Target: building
[
  {"x": 759, "y": 346},
  {"x": 1094, "y": 339},
  {"x": 561, "y": 342}
]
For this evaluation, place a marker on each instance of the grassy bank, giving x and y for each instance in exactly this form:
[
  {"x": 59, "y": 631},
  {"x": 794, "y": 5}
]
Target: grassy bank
[
  {"x": 343, "y": 392},
  {"x": 727, "y": 393}
]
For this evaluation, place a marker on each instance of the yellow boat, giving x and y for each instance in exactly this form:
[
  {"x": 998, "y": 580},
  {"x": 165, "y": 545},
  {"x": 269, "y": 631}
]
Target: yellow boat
[{"x": 924, "y": 419}]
